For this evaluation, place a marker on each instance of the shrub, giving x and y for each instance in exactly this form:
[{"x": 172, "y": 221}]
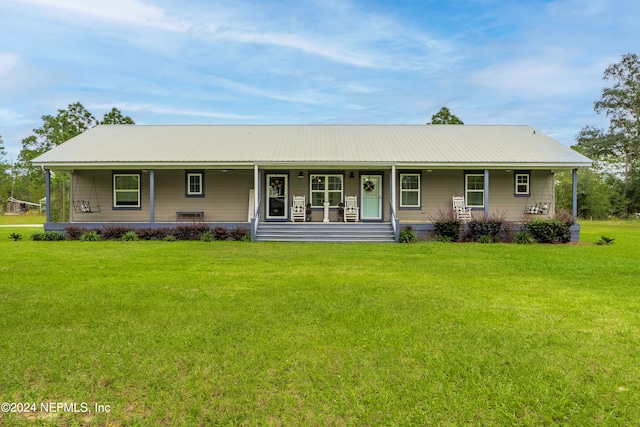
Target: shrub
[
  {"x": 485, "y": 239},
  {"x": 220, "y": 233},
  {"x": 191, "y": 231},
  {"x": 207, "y": 236},
  {"x": 129, "y": 236},
  {"x": 447, "y": 226},
  {"x": 240, "y": 234},
  {"x": 152, "y": 233},
  {"x": 90, "y": 236},
  {"x": 549, "y": 230},
  {"x": 49, "y": 236},
  {"x": 113, "y": 232},
  {"x": 605, "y": 241},
  {"x": 53, "y": 236},
  {"x": 73, "y": 233},
  {"x": 15, "y": 236},
  {"x": 169, "y": 238},
  {"x": 523, "y": 237},
  {"x": 407, "y": 235}
]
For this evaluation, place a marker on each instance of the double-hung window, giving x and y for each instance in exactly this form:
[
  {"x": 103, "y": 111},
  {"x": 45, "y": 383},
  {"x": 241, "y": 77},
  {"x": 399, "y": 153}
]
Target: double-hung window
[
  {"x": 195, "y": 184},
  {"x": 126, "y": 190},
  {"x": 474, "y": 189},
  {"x": 326, "y": 188},
  {"x": 409, "y": 190},
  {"x": 522, "y": 183}
]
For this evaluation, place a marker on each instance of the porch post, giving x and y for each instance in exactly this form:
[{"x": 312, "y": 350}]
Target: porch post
[
  {"x": 256, "y": 190},
  {"x": 47, "y": 184},
  {"x": 486, "y": 193},
  {"x": 393, "y": 190},
  {"x": 152, "y": 195},
  {"x": 574, "y": 193}
]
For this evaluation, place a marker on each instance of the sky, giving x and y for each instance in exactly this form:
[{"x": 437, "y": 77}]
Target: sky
[{"x": 532, "y": 62}]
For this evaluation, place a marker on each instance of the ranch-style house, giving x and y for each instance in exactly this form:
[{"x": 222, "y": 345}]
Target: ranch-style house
[{"x": 308, "y": 182}]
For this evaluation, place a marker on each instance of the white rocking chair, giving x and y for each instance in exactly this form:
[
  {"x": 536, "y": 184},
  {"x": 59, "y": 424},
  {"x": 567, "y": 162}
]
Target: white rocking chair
[
  {"x": 461, "y": 211},
  {"x": 298, "y": 209},
  {"x": 350, "y": 208}
]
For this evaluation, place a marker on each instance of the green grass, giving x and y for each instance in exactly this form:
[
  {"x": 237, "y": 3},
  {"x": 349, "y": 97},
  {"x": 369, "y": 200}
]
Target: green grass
[
  {"x": 232, "y": 333},
  {"x": 22, "y": 219}
]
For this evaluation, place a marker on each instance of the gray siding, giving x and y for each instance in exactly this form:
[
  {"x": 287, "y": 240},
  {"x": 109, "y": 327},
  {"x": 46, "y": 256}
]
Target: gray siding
[
  {"x": 226, "y": 197},
  {"x": 439, "y": 186}
]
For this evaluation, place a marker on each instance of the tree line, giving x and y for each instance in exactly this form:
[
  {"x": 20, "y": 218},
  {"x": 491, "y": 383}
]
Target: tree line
[
  {"x": 24, "y": 181},
  {"x": 611, "y": 187}
]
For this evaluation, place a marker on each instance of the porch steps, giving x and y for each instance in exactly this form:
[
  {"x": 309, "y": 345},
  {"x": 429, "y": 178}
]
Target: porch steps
[{"x": 324, "y": 232}]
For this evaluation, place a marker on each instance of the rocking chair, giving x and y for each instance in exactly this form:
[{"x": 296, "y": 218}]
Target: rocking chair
[
  {"x": 461, "y": 211},
  {"x": 298, "y": 209},
  {"x": 350, "y": 208}
]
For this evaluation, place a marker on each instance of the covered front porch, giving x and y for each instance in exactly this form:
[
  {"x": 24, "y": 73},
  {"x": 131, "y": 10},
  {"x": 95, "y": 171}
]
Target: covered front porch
[{"x": 395, "y": 195}]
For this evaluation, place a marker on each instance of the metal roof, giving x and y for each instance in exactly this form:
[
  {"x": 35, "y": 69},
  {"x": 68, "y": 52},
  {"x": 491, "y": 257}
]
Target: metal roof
[{"x": 320, "y": 145}]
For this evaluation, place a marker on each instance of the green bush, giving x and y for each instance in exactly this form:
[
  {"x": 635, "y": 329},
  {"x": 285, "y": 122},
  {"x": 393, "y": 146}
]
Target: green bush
[
  {"x": 15, "y": 236},
  {"x": 169, "y": 238},
  {"x": 605, "y": 241},
  {"x": 90, "y": 236},
  {"x": 407, "y": 235},
  {"x": 523, "y": 237},
  {"x": 129, "y": 236},
  {"x": 486, "y": 239},
  {"x": 207, "y": 236},
  {"x": 549, "y": 230},
  {"x": 447, "y": 227},
  {"x": 49, "y": 236},
  {"x": 495, "y": 226}
]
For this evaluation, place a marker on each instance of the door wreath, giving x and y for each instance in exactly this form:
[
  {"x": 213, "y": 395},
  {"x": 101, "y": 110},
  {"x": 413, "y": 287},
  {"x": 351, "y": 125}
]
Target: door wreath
[{"x": 369, "y": 185}]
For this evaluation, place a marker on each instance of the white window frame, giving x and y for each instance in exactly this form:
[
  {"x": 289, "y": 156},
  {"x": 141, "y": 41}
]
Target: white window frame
[
  {"x": 467, "y": 191},
  {"x": 325, "y": 192},
  {"x": 117, "y": 191},
  {"x": 517, "y": 184},
  {"x": 409, "y": 190},
  {"x": 200, "y": 176}
]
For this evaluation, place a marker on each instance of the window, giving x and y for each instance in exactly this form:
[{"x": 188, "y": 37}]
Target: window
[
  {"x": 326, "y": 188},
  {"x": 409, "y": 190},
  {"x": 522, "y": 183},
  {"x": 126, "y": 190},
  {"x": 474, "y": 186},
  {"x": 195, "y": 184}
]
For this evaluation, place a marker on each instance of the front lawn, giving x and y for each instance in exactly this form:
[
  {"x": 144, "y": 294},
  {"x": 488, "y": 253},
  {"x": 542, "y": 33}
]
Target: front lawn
[{"x": 235, "y": 333}]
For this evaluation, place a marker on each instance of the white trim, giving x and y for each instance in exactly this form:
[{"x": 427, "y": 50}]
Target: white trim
[
  {"x": 126, "y": 190},
  {"x": 528, "y": 184},
  {"x": 326, "y": 191},
  {"x": 467, "y": 191},
  {"x": 281, "y": 193},
  {"x": 411, "y": 190},
  {"x": 200, "y": 176}
]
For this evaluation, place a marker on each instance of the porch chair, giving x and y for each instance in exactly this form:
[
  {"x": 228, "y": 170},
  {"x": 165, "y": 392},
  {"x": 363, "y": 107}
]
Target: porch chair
[
  {"x": 350, "y": 208},
  {"x": 298, "y": 209},
  {"x": 461, "y": 211}
]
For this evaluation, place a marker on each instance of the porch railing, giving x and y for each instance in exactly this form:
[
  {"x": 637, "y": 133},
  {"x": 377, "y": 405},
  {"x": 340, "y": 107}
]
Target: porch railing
[
  {"x": 255, "y": 221},
  {"x": 395, "y": 222}
]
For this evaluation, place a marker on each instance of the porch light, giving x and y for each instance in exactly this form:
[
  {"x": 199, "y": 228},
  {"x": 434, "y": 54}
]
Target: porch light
[
  {"x": 351, "y": 175},
  {"x": 300, "y": 175}
]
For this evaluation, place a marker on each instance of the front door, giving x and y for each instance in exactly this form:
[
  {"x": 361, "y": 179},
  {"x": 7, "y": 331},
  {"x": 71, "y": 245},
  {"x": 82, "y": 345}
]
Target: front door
[
  {"x": 371, "y": 197},
  {"x": 276, "y": 195}
]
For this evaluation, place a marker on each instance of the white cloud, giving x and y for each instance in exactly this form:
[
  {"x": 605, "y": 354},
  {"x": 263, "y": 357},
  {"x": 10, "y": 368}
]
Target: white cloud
[
  {"x": 134, "y": 12},
  {"x": 157, "y": 109},
  {"x": 8, "y": 63}
]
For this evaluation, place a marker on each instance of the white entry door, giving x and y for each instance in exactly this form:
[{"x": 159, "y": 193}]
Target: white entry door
[
  {"x": 371, "y": 197},
  {"x": 277, "y": 196}
]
